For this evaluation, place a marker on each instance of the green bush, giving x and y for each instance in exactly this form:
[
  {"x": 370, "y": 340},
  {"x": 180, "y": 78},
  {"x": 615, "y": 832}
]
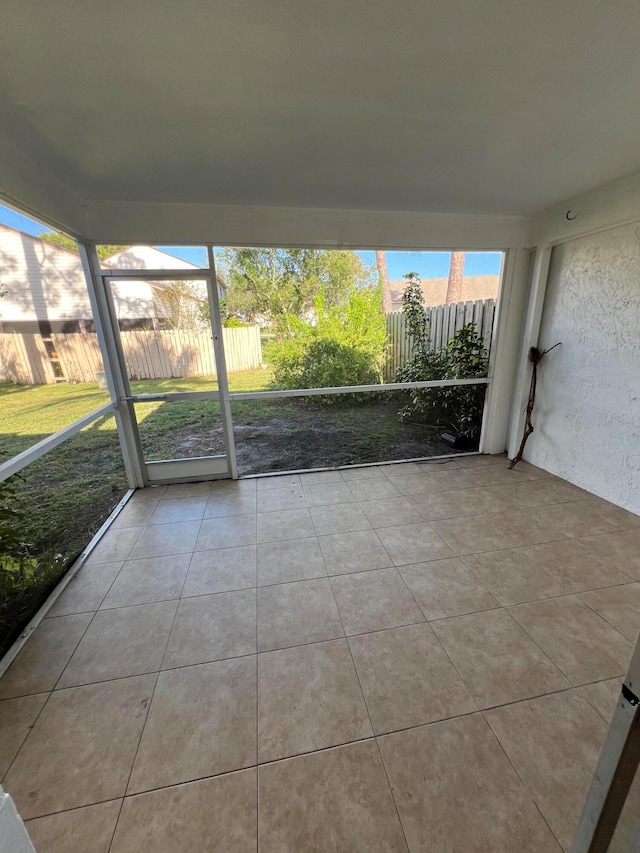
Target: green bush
[
  {"x": 458, "y": 409},
  {"x": 25, "y": 580},
  {"x": 346, "y": 346}
]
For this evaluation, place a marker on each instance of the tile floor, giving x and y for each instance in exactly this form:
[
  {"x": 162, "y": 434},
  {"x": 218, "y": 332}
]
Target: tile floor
[{"x": 416, "y": 657}]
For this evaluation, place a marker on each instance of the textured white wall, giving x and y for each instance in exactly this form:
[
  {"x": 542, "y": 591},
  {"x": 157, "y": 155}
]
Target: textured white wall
[{"x": 587, "y": 414}]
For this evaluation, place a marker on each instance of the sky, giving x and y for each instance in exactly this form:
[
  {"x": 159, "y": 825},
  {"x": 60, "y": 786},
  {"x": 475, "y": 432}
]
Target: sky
[{"x": 426, "y": 264}]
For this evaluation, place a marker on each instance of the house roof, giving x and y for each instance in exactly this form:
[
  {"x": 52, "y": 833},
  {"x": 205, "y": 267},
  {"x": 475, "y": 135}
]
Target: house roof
[{"x": 434, "y": 290}]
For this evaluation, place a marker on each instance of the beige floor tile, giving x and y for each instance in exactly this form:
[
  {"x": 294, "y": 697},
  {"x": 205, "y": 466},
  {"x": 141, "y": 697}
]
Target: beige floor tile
[
  {"x": 414, "y": 543},
  {"x": 542, "y": 492},
  {"x": 452, "y": 478},
  {"x": 314, "y": 477},
  {"x": 554, "y": 743},
  {"x": 358, "y": 551},
  {"x": 86, "y": 590},
  {"x": 212, "y": 816},
  {"x": 292, "y": 560},
  {"x": 574, "y": 565},
  {"x": 287, "y": 524},
  {"x": 401, "y": 469},
  {"x": 81, "y": 748},
  {"x": 616, "y": 515},
  {"x": 184, "y": 509},
  {"x": 327, "y": 494},
  {"x": 308, "y": 698},
  {"x": 202, "y": 722},
  {"x": 291, "y": 614},
  {"x": 369, "y": 473},
  {"x": 460, "y": 502},
  {"x": 280, "y": 482},
  {"x": 621, "y": 549},
  {"x": 163, "y": 539},
  {"x": 45, "y": 655},
  {"x": 228, "y": 532},
  {"x": 121, "y": 642},
  {"x": 573, "y": 519},
  {"x": 222, "y": 570},
  {"x": 17, "y": 716},
  {"x": 419, "y": 483},
  {"x": 244, "y": 485},
  {"x": 369, "y": 490},
  {"x": 337, "y": 799},
  {"x": 115, "y": 545},
  {"x": 188, "y": 490},
  {"x": 342, "y": 518},
  {"x": 604, "y": 696},
  {"x": 474, "y": 534},
  {"x": 150, "y": 493},
  {"x": 526, "y": 526},
  {"x": 581, "y": 644},
  {"x": 274, "y": 500},
  {"x": 456, "y": 790},
  {"x": 619, "y": 605},
  {"x": 407, "y": 678},
  {"x": 212, "y": 627},
  {"x": 374, "y": 600},
  {"x": 499, "y": 475},
  {"x": 390, "y": 512},
  {"x": 447, "y": 588},
  {"x": 497, "y": 660},
  {"x": 482, "y": 460},
  {"x": 512, "y": 577},
  {"x": 87, "y": 829},
  {"x": 223, "y": 503},
  {"x": 146, "y": 581},
  {"x": 134, "y": 514}
]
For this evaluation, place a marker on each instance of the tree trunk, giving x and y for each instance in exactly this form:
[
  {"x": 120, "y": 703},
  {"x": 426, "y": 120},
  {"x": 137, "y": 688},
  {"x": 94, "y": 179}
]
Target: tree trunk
[
  {"x": 456, "y": 271},
  {"x": 383, "y": 275}
]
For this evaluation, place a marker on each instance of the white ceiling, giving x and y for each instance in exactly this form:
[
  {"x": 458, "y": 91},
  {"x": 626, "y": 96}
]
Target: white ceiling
[{"x": 454, "y": 106}]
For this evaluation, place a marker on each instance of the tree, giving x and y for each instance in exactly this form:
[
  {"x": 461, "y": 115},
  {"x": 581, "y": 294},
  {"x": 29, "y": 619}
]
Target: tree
[
  {"x": 383, "y": 276},
  {"x": 183, "y": 305},
  {"x": 456, "y": 274},
  {"x": 273, "y": 284},
  {"x": 64, "y": 242}
]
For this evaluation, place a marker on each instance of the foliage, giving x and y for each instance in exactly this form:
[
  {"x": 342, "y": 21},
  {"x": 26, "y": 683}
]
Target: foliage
[
  {"x": 183, "y": 305},
  {"x": 25, "y": 579},
  {"x": 271, "y": 284},
  {"x": 69, "y": 243},
  {"x": 457, "y": 408},
  {"x": 346, "y": 346},
  {"x": 234, "y": 323}
]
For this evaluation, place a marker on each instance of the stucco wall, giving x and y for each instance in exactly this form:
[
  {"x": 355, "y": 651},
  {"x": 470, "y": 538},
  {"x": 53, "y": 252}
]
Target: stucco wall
[{"x": 587, "y": 415}]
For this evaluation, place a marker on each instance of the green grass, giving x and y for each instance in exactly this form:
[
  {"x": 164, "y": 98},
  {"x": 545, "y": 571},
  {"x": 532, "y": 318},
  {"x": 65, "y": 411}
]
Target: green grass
[{"x": 29, "y": 413}]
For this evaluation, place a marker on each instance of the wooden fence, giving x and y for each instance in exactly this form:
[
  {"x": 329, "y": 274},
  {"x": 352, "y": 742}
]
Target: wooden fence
[
  {"x": 444, "y": 322},
  {"x": 149, "y": 355}
]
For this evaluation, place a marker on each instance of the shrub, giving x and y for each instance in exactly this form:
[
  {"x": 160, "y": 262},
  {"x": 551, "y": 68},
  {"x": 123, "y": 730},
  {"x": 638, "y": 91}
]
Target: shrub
[
  {"x": 25, "y": 580},
  {"x": 346, "y": 346},
  {"x": 458, "y": 409}
]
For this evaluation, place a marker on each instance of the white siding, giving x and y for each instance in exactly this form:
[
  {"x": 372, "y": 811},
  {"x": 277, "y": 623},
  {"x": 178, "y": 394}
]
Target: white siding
[
  {"x": 44, "y": 282},
  {"x": 587, "y": 415}
]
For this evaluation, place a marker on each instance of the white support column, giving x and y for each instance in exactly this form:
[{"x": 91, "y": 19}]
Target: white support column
[
  {"x": 116, "y": 382},
  {"x": 505, "y": 348},
  {"x": 221, "y": 365},
  {"x": 529, "y": 339}
]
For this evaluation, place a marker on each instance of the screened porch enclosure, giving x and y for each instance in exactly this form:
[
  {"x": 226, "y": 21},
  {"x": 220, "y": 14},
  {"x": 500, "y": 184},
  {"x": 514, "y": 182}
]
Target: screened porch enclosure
[{"x": 258, "y": 602}]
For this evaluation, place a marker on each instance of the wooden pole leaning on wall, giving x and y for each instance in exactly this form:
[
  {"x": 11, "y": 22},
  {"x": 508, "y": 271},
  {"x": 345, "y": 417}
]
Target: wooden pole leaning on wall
[{"x": 535, "y": 357}]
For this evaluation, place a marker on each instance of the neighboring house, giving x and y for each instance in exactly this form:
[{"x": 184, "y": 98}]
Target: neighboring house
[
  {"x": 46, "y": 293},
  {"x": 434, "y": 290}
]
